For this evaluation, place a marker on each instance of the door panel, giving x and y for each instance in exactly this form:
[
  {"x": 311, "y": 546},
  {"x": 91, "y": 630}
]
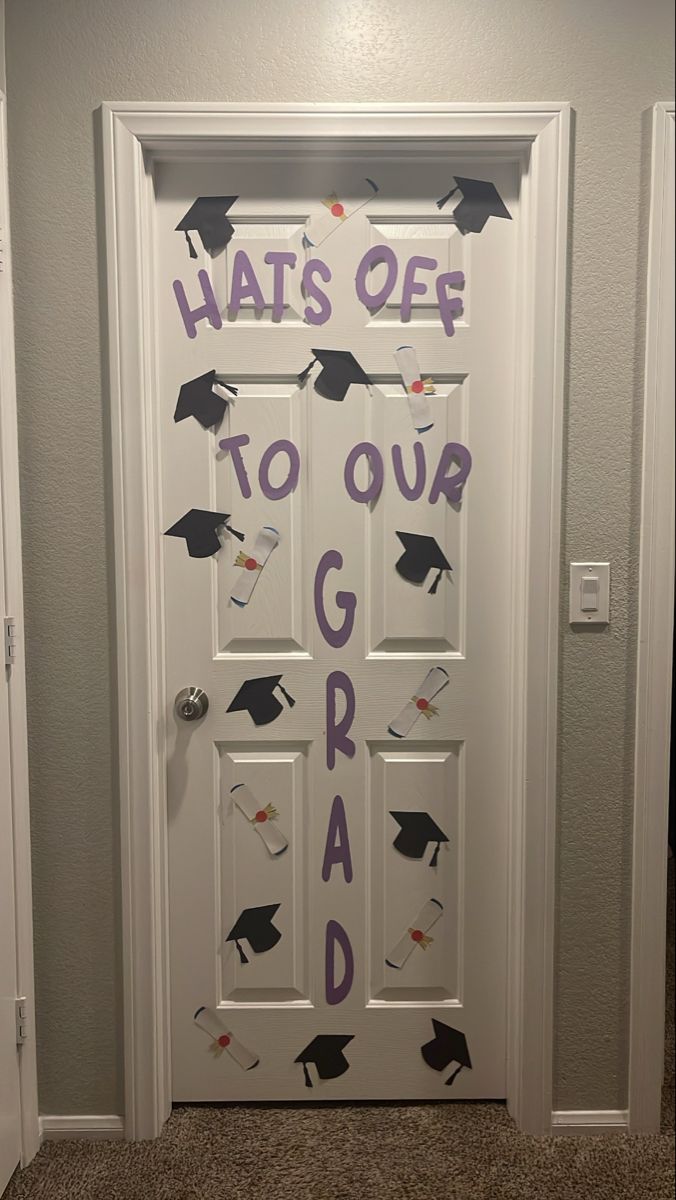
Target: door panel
[{"x": 345, "y": 894}]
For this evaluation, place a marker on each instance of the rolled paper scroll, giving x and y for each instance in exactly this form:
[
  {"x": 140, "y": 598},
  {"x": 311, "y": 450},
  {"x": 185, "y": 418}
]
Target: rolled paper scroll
[
  {"x": 264, "y": 820},
  {"x": 252, "y": 565},
  {"x": 223, "y": 1041},
  {"x": 417, "y": 388},
  {"x": 338, "y": 210},
  {"x": 416, "y": 934},
  {"x": 420, "y": 704}
]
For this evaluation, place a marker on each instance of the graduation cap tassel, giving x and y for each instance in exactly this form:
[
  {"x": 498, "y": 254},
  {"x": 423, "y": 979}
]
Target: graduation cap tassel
[
  {"x": 193, "y": 252},
  {"x": 446, "y": 198},
  {"x": 229, "y": 388},
  {"x": 435, "y": 856},
  {"x": 304, "y": 374},
  {"x": 436, "y": 583},
  {"x": 308, "y": 1081},
  {"x": 451, "y": 1078},
  {"x": 235, "y": 533},
  {"x": 289, "y": 699},
  {"x": 242, "y": 956}
]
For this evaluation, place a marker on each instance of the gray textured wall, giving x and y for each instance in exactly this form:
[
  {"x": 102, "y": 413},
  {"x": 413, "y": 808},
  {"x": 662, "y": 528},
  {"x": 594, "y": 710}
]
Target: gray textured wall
[{"x": 612, "y": 60}]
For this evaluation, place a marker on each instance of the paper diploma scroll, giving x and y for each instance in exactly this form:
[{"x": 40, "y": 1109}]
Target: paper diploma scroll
[
  {"x": 419, "y": 704},
  {"x": 223, "y": 1039},
  {"x": 262, "y": 819},
  {"x": 252, "y": 565},
  {"x": 416, "y": 934}
]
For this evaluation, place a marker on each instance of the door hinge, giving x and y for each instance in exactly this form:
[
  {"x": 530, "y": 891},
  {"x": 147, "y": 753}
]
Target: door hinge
[
  {"x": 10, "y": 639},
  {"x": 21, "y": 1019}
]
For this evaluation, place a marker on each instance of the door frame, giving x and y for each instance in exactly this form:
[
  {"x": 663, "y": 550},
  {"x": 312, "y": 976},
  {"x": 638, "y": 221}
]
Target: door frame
[
  {"x": 654, "y": 663},
  {"x": 15, "y": 676},
  {"x": 538, "y": 135}
]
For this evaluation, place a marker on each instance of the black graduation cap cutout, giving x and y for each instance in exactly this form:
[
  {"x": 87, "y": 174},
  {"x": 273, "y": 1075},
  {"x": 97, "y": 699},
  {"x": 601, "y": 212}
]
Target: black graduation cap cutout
[
  {"x": 198, "y": 399},
  {"x": 198, "y": 527},
  {"x": 254, "y": 925},
  {"x": 417, "y": 830},
  {"x": 421, "y": 555},
  {"x": 207, "y": 217},
  {"x": 326, "y": 1052},
  {"x": 256, "y": 696},
  {"x": 448, "y": 1046},
  {"x": 339, "y": 369},
  {"x": 480, "y": 200}
]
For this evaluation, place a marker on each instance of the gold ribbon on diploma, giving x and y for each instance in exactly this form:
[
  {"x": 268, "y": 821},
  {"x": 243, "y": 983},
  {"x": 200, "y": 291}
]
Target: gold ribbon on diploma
[
  {"x": 429, "y": 710},
  {"x": 270, "y": 812},
  {"x": 428, "y": 387},
  {"x": 243, "y": 560},
  {"x": 421, "y": 939},
  {"x": 335, "y": 207}
]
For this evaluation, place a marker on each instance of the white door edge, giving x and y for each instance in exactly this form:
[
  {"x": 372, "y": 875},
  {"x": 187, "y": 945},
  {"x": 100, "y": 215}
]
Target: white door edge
[
  {"x": 540, "y": 134},
  {"x": 654, "y": 664},
  {"x": 16, "y": 679}
]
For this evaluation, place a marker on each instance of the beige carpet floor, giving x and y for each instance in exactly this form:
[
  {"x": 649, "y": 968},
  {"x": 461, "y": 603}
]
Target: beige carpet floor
[{"x": 361, "y": 1152}]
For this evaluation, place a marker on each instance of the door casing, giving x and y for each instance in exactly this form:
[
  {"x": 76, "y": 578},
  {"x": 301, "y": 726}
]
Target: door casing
[
  {"x": 537, "y": 136},
  {"x": 14, "y": 677}
]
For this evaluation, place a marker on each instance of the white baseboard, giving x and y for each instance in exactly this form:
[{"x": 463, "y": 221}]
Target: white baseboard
[
  {"x": 587, "y": 1122},
  {"x": 104, "y": 1127}
]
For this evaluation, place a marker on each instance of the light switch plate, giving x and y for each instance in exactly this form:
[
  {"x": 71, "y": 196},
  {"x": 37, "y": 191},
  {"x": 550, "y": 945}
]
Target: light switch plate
[{"x": 589, "y": 593}]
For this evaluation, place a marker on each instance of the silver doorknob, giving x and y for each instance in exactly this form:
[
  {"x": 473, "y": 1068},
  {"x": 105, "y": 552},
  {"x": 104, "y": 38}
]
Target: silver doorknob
[{"x": 191, "y": 704}]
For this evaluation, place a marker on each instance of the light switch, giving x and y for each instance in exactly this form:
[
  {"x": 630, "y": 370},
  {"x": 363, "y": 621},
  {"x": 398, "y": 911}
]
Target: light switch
[{"x": 589, "y": 593}]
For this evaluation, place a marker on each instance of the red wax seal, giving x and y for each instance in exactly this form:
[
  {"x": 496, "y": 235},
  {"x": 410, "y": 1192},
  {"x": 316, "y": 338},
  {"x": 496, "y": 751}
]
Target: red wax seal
[
  {"x": 224, "y": 1040},
  {"x": 251, "y": 564},
  {"x": 418, "y": 386},
  {"x": 261, "y": 816},
  {"x": 422, "y": 704},
  {"x": 417, "y": 935},
  {"x": 337, "y": 210}
]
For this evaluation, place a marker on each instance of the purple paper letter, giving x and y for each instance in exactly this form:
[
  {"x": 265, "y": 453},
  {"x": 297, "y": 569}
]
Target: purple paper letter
[
  {"x": 278, "y": 260},
  {"x": 345, "y": 600},
  {"x": 337, "y": 992},
  {"x": 244, "y": 284},
  {"x": 415, "y": 490},
  {"x": 449, "y": 306},
  {"x": 208, "y": 311},
  {"x": 233, "y": 444},
  {"x": 410, "y": 288},
  {"x": 377, "y": 472},
  {"x": 315, "y": 266},
  {"x": 280, "y": 447},
  {"x": 451, "y": 486},
  {"x": 337, "y": 843},
  {"x": 372, "y": 258},
  {"x": 336, "y": 734}
]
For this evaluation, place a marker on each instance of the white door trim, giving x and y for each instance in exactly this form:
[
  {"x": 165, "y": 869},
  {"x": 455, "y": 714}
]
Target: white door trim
[
  {"x": 16, "y": 678},
  {"x": 539, "y": 135},
  {"x": 654, "y": 664}
]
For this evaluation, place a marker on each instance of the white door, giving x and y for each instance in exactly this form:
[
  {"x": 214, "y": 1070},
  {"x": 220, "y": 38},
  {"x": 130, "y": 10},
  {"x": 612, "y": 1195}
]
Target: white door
[
  {"x": 301, "y": 906},
  {"x": 10, "y": 1108}
]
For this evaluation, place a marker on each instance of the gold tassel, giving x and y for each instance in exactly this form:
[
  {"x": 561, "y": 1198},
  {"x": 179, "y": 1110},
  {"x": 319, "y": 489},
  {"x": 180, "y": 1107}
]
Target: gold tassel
[
  {"x": 270, "y": 812},
  {"x": 423, "y": 942},
  {"x": 243, "y": 558}
]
